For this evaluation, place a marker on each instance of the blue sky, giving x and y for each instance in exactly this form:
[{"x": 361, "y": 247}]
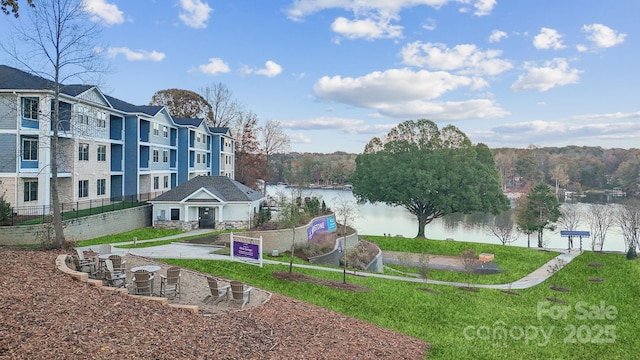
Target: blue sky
[{"x": 336, "y": 73}]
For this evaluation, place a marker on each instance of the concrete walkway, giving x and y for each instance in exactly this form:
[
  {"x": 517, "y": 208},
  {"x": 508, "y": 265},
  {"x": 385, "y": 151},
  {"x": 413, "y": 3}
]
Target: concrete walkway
[{"x": 195, "y": 251}]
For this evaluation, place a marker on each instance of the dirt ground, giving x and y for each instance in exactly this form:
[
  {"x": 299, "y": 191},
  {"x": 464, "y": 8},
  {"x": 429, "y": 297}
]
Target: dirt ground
[{"x": 46, "y": 314}]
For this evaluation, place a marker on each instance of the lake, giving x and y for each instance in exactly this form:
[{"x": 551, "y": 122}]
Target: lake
[{"x": 380, "y": 219}]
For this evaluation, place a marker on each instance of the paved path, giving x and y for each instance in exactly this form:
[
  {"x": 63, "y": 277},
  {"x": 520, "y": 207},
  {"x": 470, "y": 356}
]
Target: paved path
[{"x": 195, "y": 251}]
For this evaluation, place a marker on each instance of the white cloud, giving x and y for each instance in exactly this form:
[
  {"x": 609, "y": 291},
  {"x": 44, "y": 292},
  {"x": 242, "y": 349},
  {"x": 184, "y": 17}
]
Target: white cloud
[
  {"x": 347, "y": 125},
  {"x": 497, "y": 36},
  {"x": 465, "y": 58},
  {"x": 194, "y": 13},
  {"x": 548, "y": 39},
  {"x": 369, "y": 29},
  {"x": 429, "y": 24},
  {"x": 609, "y": 116},
  {"x": 603, "y": 36},
  {"x": 271, "y": 69},
  {"x": 103, "y": 12},
  {"x": 298, "y": 138},
  {"x": 484, "y": 7},
  {"x": 140, "y": 55},
  {"x": 555, "y": 133},
  {"x": 214, "y": 67},
  {"x": 405, "y": 93},
  {"x": 552, "y": 74}
]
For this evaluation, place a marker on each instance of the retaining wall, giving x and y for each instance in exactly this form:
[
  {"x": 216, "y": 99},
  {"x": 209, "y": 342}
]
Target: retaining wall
[{"x": 82, "y": 228}]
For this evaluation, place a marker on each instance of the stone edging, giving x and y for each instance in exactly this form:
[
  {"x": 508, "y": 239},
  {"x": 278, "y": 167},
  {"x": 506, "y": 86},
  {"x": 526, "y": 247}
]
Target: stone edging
[{"x": 84, "y": 277}]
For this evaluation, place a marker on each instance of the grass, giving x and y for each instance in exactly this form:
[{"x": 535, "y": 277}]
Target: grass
[
  {"x": 147, "y": 244},
  {"x": 73, "y": 214},
  {"x": 141, "y": 234},
  {"x": 516, "y": 262},
  {"x": 462, "y": 325}
]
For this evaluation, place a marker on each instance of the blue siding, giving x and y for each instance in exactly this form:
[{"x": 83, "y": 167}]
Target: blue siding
[
  {"x": 116, "y": 157},
  {"x": 131, "y": 155},
  {"x": 183, "y": 155},
  {"x": 116, "y": 186},
  {"x": 115, "y": 127}
]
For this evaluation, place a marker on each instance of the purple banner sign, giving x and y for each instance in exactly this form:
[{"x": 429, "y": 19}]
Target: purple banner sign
[
  {"x": 246, "y": 250},
  {"x": 324, "y": 224}
]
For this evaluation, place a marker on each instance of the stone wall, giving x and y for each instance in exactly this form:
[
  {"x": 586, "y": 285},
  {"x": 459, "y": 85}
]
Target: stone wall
[{"x": 83, "y": 228}]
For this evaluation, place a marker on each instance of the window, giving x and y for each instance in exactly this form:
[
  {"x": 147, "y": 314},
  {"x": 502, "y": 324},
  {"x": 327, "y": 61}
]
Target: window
[
  {"x": 175, "y": 214},
  {"x": 197, "y": 137},
  {"x": 198, "y": 158},
  {"x": 156, "y": 129},
  {"x": 102, "y": 153},
  {"x": 83, "y": 114},
  {"x": 83, "y": 188},
  {"x": 165, "y": 131},
  {"x": 101, "y": 119},
  {"x": 156, "y": 182},
  {"x": 165, "y": 156},
  {"x": 29, "y": 149},
  {"x": 102, "y": 186},
  {"x": 156, "y": 156},
  {"x": 83, "y": 151},
  {"x": 30, "y": 190},
  {"x": 30, "y": 108},
  {"x": 166, "y": 181}
]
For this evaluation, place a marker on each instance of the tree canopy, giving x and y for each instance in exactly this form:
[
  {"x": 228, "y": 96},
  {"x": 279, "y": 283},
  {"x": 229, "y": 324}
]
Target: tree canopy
[
  {"x": 539, "y": 210},
  {"x": 183, "y": 103},
  {"x": 429, "y": 172}
]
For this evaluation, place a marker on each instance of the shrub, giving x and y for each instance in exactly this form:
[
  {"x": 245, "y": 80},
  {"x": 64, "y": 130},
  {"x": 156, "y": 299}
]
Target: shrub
[{"x": 631, "y": 253}]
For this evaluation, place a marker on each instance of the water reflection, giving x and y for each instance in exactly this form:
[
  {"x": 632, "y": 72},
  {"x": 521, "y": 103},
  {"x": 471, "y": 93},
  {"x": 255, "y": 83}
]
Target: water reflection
[{"x": 380, "y": 219}]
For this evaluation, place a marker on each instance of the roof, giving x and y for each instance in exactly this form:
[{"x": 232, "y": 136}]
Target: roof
[
  {"x": 130, "y": 108},
  {"x": 219, "y": 130},
  {"x": 224, "y": 188},
  {"x": 16, "y": 79},
  {"x": 188, "y": 121}
]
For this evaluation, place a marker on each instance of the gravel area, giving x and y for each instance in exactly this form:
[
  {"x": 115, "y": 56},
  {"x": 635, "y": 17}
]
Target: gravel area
[{"x": 46, "y": 314}]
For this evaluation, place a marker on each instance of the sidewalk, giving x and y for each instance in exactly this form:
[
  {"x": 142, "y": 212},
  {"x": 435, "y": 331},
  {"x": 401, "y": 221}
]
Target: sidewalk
[{"x": 195, "y": 251}]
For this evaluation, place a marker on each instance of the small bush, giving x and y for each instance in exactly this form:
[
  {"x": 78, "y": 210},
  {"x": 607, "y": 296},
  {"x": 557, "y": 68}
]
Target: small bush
[{"x": 631, "y": 253}]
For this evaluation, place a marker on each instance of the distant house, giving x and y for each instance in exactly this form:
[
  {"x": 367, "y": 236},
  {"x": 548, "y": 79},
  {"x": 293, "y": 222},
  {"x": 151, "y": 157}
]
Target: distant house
[{"x": 206, "y": 202}]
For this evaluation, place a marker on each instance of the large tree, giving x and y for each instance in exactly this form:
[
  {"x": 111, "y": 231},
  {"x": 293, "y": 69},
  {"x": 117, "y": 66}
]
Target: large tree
[
  {"x": 226, "y": 110},
  {"x": 540, "y": 211},
  {"x": 272, "y": 140},
  {"x": 429, "y": 172},
  {"x": 183, "y": 103},
  {"x": 248, "y": 163},
  {"x": 57, "y": 40}
]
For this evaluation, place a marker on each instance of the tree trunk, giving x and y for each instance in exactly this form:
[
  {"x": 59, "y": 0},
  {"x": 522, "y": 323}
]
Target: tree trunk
[
  {"x": 540, "y": 239},
  {"x": 55, "y": 199},
  {"x": 422, "y": 222}
]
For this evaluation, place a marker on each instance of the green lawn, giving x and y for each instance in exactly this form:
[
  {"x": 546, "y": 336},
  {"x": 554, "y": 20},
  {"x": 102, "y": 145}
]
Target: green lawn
[
  {"x": 516, "y": 262},
  {"x": 141, "y": 234},
  {"x": 463, "y": 325}
]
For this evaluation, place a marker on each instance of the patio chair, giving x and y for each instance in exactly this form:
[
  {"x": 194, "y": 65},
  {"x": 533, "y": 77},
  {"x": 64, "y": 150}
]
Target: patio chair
[
  {"x": 171, "y": 282},
  {"x": 118, "y": 263},
  {"x": 241, "y": 294},
  {"x": 113, "y": 278},
  {"x": 87, "y": 265},
  {"x": 218, "y": 292},
  {"x": 143, "y": 283}
]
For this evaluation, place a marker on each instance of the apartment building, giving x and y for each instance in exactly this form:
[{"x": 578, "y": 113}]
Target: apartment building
[{"x": 106, "y": 147}]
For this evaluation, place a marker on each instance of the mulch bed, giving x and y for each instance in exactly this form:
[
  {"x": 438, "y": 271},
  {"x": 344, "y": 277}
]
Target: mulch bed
[
  {"x": 294, "y": 276},
  {"x": 596, "y": 280},
  {"x": 467, "y": 288},
  {"x": 560, "y": 288},
  {"x": 48, "y": 315},
  {"x": 430, "y": 291},
  {"x": 596, "y": 265},
  {"x": 556, "y": 300}
]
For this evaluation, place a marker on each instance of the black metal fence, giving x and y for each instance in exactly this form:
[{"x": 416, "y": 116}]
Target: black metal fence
[{"x": 38, "y": 214}]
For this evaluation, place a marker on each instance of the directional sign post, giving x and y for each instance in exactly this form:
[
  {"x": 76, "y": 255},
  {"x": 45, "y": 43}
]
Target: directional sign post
[{"x": 571, "y": 233}]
